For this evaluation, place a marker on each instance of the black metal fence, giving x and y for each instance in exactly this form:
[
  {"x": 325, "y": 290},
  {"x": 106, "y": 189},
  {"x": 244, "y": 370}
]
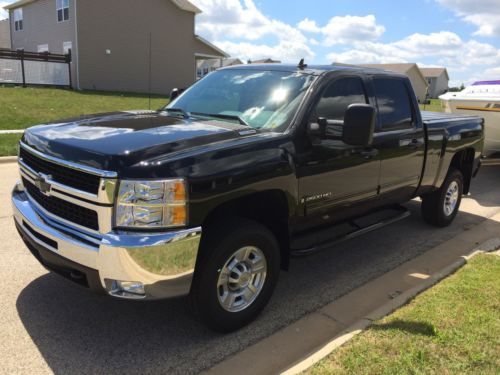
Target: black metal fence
[{"x": 32, "y": 68}]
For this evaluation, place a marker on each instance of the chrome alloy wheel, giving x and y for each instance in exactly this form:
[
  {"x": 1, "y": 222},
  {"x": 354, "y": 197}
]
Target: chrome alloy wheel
[
  {"x": 451, "y": 198},
  {"x": 241, "y": 279}
]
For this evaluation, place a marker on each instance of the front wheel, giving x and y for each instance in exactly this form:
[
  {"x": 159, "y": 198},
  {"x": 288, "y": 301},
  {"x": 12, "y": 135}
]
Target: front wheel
[
  {"x": 236, "y": 275},
  {"x": 440, "y": 207}
]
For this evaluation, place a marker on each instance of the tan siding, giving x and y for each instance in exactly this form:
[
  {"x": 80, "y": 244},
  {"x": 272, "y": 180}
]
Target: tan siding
[
  {"x": 123, "y": 27},
  {"x": 40, "y": 26},
  {"x": 4, "y": 34},
  {"x": 418, "y": 83}
]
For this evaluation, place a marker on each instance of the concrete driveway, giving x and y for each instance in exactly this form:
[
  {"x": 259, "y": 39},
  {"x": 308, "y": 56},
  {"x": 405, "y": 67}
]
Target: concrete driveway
[{"x": 49, "y": 325}]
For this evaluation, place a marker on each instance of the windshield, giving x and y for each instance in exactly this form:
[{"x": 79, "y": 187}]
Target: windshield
[{"x": 260, "y": 99}]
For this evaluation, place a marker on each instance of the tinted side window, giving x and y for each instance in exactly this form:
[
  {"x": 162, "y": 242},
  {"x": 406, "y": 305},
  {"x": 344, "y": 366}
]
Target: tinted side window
[
  {"x": 394, "y": 104},
  {"x": 338, "y": 96}
]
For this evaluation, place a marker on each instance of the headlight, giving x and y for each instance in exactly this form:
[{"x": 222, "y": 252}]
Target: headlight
[{"x": 151, "y": 204}]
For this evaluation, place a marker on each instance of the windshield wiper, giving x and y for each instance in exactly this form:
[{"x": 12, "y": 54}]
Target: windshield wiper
[
  {"x": 184, "y": 114},
  {"x": 223, "y": 117}
]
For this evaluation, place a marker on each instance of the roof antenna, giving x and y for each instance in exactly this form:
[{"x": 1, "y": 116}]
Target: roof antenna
[
  {"x": 302, "y": 65},
  {"x": 150, "y": 68}
]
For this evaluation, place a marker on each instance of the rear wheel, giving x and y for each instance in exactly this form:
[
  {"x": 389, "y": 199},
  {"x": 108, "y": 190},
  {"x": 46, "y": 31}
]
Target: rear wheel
[
  {"x": 236, "y": 275},
  {"x": 440, "y": 207}
]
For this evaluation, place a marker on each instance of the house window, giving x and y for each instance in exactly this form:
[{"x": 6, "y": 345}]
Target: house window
[
  {"x": 18, "y": 19},
  {"x": 66, "y": 47},
  {"x": 62, "y": 10},
  {"x": 43, "y": 48}
]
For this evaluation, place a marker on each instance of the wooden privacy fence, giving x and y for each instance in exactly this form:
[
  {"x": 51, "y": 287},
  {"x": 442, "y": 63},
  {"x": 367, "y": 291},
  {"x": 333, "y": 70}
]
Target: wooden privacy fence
[{"x": 32, "y": 68}]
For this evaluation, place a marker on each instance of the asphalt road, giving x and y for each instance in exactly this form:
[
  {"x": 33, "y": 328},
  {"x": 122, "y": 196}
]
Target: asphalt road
[{"x": 47, "y": 324}]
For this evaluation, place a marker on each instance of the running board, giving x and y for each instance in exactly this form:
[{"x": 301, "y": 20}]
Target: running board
[{"x": 401, "y": 213}]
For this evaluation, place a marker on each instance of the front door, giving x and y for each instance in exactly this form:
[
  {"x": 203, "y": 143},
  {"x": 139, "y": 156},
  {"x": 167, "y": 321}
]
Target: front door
[{"x": 336, "y": 180}]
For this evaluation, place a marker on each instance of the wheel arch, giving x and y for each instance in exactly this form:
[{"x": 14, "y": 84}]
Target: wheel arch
[
  {"x": 464, "y": 162},
  {"x": 269, "y": 208}
]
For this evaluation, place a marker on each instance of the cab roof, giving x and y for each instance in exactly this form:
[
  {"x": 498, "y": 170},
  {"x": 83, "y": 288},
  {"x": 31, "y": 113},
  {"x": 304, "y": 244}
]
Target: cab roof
[{"x": 312, "y": 69}]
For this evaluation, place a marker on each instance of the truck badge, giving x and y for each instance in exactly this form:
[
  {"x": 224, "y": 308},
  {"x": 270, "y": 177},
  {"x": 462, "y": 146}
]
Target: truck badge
[{"x": 42, "y": 184}]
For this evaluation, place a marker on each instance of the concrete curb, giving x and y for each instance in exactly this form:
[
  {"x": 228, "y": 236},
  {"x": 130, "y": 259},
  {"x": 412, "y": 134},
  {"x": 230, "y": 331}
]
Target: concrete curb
[
  {"x": 300, "y": 345},
  {"x": 16, "y": 131},
  {"x": 390, "y": 307},
  {"x": 8, "y": 159}
]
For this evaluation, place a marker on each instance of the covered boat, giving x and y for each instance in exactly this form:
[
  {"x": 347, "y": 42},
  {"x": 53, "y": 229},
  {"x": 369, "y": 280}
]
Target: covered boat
[{"x": 481, "y": 99}]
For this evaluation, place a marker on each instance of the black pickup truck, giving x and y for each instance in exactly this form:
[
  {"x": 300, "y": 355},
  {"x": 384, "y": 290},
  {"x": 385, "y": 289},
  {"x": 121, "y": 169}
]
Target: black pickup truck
[{"x": 211, "y": 195}]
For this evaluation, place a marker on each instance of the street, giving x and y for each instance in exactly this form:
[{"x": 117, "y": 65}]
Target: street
[{"x": 50, "y": 325}]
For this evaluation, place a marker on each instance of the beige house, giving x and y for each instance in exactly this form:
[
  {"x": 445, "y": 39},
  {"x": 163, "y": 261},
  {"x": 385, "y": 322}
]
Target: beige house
[
  {"x": 206, "y": 66},
  {"x": 417, "y": 79},
  {"x": 117, "y": 45},
  {"x": 438, "y": 80},
  {"x": 264, "y": 61},
  {"x": 4, "y": 34}
]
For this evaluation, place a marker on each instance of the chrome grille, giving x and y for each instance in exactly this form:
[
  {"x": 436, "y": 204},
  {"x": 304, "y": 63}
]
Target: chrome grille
[
  {"x": 64, "y": 175},
  {"x": 68, "y": 211}
]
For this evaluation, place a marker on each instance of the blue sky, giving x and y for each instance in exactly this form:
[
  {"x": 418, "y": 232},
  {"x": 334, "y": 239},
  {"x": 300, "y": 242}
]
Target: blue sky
[{"x": 463, "y": 35}]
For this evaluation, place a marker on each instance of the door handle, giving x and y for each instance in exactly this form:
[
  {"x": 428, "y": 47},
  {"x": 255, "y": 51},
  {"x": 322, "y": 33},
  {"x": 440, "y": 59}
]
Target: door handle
[
  {"x": 415, "y": 143},
  {"x": 369, "y": 153}
]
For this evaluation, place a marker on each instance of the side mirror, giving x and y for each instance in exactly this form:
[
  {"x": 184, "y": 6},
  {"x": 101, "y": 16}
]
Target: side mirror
[
  {"x": 317, "y": 129},
  {"x": 174, "y": 94},
  {"x": 359, "y": 125}
]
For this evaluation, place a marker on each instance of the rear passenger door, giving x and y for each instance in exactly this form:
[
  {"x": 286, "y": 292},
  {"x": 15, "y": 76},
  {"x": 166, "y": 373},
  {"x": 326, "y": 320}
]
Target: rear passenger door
[{"x": 399, "y": 138}]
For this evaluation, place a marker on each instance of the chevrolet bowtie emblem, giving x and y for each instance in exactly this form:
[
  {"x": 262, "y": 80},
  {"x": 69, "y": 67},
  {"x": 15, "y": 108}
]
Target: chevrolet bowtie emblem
[{"x": 42, "y": 184}]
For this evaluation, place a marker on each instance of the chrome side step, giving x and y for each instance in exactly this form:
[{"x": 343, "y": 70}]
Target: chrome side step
[{"x": 354, "y": 227}]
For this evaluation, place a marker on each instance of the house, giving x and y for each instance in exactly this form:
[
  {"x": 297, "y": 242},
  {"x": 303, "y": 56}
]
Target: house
[
  {"x": 117, "y": 45},
  {"x": 264, "y": 61},
  {"x": 417, "y": 79},
  {"x": 4, "y": 34},
  {"x": 206, "y": 66},
  {"x": 438, "y": 80}
]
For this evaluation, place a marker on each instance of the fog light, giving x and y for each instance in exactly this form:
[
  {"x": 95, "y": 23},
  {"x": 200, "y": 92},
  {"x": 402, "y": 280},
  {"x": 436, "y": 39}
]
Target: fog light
[
  {"x": 127, "y": 289},
  {"x": 131, "y": 286}
]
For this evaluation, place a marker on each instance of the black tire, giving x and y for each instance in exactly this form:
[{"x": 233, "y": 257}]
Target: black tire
[
  {"x": 220, "y": 243},
  {"x": 433, "y": 205}
]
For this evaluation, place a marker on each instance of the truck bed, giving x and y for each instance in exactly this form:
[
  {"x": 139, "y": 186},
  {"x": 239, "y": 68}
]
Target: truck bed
[{"x": 431, "y": 118}]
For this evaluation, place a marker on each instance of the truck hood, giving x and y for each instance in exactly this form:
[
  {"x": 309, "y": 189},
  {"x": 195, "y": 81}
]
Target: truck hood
[{"x": 118, "y": 140}]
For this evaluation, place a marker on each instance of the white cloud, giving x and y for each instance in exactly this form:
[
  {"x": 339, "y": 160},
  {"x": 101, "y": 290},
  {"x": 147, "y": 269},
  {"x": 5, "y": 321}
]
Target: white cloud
[
  {"x": 3, "y": 13},
  {"x": 445, "y": 47},
  {"x": 485, "y": 14},
  {"x": 284, "y": 51},
  {"x": 309, "y": 26},
  {"x": 237, "y": 26},
  {"x": 494, "y": 73},
  {"x": 349, "y": 29},
  {"x": 345, "y": 29}
]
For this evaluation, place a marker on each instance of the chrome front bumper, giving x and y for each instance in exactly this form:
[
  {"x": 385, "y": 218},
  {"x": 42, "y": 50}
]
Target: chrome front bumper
[{"x": 163, "y": 263}]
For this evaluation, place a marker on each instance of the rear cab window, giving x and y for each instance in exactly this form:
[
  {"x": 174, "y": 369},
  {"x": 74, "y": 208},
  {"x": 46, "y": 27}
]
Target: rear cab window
[{"x": 394, "y": 103}]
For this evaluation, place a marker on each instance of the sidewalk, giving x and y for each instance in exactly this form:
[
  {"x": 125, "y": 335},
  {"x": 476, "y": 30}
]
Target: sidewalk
[{"x": 303, "y": 343}]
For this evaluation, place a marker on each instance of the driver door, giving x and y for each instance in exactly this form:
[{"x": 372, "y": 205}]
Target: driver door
[{"x": 337, "y": 180}]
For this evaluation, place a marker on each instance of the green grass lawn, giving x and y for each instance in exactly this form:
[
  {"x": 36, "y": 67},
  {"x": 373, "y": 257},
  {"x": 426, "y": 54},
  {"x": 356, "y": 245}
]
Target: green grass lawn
[
  {"x": 21, "y": 108},
  {"x": 435, "y": 106},
  {"x": 452, "y": 328},
  {"x": 8, "y": 144}
]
